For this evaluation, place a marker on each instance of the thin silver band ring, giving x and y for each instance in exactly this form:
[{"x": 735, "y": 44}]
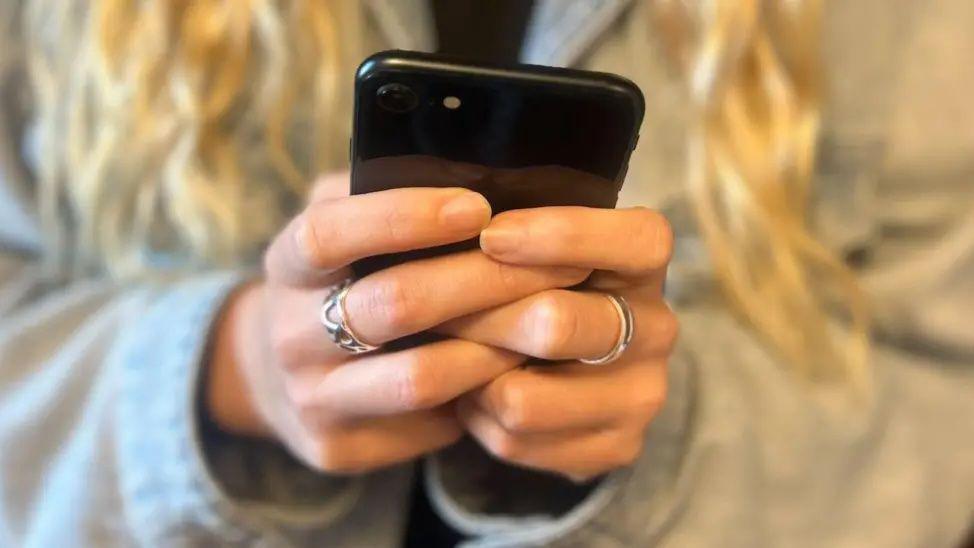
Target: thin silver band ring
[{"x": 626, "y": 328}]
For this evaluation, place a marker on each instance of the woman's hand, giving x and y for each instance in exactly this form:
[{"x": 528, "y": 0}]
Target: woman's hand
[
  {"x": 275, "y": 372},
  {"x": 575, "y": 419}
]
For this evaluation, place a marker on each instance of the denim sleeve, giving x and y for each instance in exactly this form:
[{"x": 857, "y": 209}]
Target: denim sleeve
[
  {"x": 495, "y": 504},
  {"x": 164, "y": 471},
  {"x": 101, "y": 442},
  {"x": 102, "y": 439}
]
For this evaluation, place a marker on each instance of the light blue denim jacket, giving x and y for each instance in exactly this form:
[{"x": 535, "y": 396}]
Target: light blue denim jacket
[{"x": 101, "y": 442}]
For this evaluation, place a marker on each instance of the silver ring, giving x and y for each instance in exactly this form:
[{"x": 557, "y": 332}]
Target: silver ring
[
  {"x": 626, "y": 329},
  {"x": 333, "y": 318}
]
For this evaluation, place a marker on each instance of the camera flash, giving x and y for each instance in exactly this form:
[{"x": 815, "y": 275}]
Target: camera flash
[{"x": 451, "y": 102}]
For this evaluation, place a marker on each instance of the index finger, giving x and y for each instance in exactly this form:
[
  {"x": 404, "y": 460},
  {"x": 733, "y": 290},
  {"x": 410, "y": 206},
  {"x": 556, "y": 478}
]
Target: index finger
[
  {"x": 633, "y": 241},
  {"x": 330, "y": 234}
]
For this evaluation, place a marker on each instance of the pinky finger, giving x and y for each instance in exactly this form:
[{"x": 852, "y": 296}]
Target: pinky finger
[
  {"x": 360, "y": 447},
  {"x": 579, "y": 455}
]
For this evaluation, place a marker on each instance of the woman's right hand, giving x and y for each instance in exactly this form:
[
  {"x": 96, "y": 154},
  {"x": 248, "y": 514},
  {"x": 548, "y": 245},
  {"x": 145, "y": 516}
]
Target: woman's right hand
[{"x": 275, "y": 372}]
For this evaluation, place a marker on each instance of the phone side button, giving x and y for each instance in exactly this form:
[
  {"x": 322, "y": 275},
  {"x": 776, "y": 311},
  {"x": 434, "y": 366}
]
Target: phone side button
[
  {"x": 349, "y": 150},
  {"x": 625, "y": 171}
]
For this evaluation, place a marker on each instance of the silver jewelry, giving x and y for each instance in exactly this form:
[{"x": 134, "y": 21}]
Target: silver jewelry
[
  {"x": 333, "y": 318},
  {"x": 626, "y": 328}
]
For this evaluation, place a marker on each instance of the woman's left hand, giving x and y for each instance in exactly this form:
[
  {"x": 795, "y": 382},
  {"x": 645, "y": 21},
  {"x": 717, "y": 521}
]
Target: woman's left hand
[{"x": 572, "y": 418}]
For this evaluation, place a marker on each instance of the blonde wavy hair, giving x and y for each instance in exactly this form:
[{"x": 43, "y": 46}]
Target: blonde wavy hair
[
  {"x": 149, "y": 113},
  {"x": 166, "y": 126},
  {"x": 753, "y": 73}
]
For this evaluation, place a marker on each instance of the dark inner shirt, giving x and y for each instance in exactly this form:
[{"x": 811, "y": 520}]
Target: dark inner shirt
[{"x": 482, "y": 31}]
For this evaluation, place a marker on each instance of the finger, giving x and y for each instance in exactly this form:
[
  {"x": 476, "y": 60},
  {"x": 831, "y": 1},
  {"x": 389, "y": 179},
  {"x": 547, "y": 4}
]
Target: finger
[
  {"x": 558, "y": 398},
  {"x": 415, "y": 296},
  {"x": 579, "y": 455},
  {"x": 557, "y": 324},
  {"x": 568, "y": 325},
  {"x": 294, "y": 332},
  {"x": 384, "y": 384},
  {"x": 635, "y": 241},
  {"x": 365, "y": 446},
  {"x": 330, "y": 234}
]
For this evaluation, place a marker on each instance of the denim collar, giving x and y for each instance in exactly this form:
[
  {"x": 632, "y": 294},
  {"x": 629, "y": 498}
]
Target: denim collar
[{"x": 559, "y": 33}]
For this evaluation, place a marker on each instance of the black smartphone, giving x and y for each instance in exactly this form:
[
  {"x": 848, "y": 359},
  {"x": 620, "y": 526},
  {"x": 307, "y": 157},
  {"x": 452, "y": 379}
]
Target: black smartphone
[{"x": 522, "y": 135}]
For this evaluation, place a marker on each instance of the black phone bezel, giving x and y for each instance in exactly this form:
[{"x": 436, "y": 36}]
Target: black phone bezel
[{"x": 390, "y": 62}]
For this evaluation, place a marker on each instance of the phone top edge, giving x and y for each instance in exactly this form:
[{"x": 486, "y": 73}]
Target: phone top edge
[{"x": 405, "y": 60}]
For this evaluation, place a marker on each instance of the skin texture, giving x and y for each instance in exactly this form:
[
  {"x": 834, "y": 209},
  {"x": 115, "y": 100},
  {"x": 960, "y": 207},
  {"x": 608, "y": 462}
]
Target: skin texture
[{"x": 274, "y": 372}]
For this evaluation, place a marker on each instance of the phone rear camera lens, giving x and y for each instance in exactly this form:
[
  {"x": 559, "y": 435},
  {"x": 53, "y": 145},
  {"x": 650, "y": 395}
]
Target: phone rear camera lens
[{"x": 396, "y": 98}]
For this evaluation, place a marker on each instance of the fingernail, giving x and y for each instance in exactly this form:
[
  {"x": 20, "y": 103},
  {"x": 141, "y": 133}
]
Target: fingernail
[
  {"x": 468, "y": 211},
  {"x": 501, "y": 238},
  {"x": 303, "y": 237}
]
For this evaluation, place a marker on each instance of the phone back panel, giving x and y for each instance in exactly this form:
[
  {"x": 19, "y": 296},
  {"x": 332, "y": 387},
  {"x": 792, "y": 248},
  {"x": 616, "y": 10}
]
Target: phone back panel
[{"x": 524, "y": 136}]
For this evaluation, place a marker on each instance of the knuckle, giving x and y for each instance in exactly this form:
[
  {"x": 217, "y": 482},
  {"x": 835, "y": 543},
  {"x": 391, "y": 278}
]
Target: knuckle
[
  {"x": 416, "y": 383},
  {"x": 308, "y": 417},
  {"x": 628, "y": 453},
  {"x": 650, "y": 405},
  {"x": 307, "y": 397},
  {"x": 282, "y": 345},
  {"x": 553, "y": 325},
  {"x": 505, "y": 446},
  {"x": 508, "y": 277},
  {"x": 396, "y": 225},
  {"x": 313, "y": 230},
  {"x": 653, "y": 234},
  {"x": 666, "y": 331},
  {"x": 647, "y": 396},
  {"x": 512, "y": 411},
  {"x": 664, "y": 240},
  {"x": 279, "y": 344},
  {"x": 393, "y": 302},
  {"x": 299, "y": 394}
]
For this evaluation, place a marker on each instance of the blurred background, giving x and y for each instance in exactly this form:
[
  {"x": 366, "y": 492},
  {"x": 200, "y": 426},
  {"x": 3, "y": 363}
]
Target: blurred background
[{"x": 815, "y": 159}]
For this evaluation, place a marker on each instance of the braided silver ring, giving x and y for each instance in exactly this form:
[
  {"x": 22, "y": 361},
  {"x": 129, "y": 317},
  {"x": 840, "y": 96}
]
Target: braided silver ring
[
  {"x": 627, "y": 326},
  {"x": 333, "y": 318}
]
